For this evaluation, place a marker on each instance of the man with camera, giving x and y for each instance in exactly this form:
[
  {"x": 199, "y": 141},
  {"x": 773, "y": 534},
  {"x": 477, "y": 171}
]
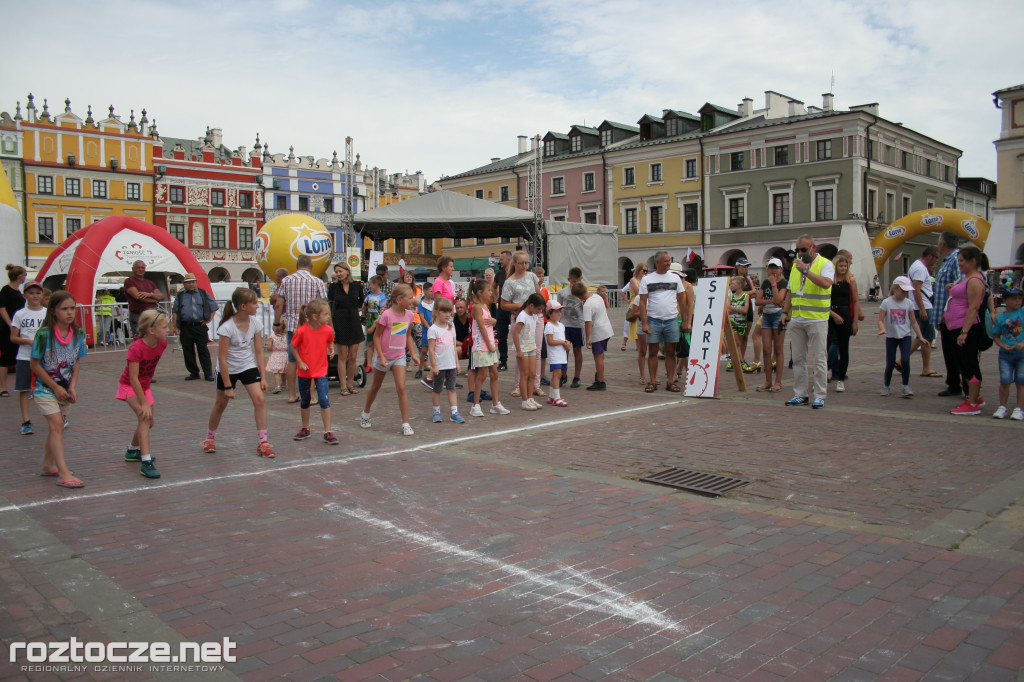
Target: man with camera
[{"x": 806, "y": 315}]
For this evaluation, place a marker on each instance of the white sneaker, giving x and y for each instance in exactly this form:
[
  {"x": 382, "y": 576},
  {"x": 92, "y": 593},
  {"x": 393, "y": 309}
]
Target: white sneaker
[
  {"x": 407, "y": 430},
  {"x": 500, "y": 409},
  {"x": 907, "y": 393},
  {"x": 364, "y": 422},
  {"x": 530, "y": 406},
  {"x": 1017, "y": 415},
  {"x": 840, "y": 387},
  {"x": 535, "y": 403},
  {"x": 477, "y": 411},
  {"x": 1000, "y": 413},
  {"x": 885, "y": 391}
]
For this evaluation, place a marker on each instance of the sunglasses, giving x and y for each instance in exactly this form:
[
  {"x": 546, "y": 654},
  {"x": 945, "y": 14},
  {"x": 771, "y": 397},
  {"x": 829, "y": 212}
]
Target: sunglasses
[{"x": 803, "y": 249}]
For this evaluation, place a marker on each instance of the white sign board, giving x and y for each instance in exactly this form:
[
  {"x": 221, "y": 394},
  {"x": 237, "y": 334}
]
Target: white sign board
[
  {"x": 376, "y": 258},
  {"x": 706, "y": 338}
]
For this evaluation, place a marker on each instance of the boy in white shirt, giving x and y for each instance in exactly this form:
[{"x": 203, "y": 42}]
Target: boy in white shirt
[
  {"x": 444, "y": 363},
  {"x": 597, "y": 329},
  {"x": 24, "y": 325},
  {"x": 558, "y": 355}
]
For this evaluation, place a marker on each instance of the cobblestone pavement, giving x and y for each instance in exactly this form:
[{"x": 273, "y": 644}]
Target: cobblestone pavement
[{"x": 879, "y": 539}]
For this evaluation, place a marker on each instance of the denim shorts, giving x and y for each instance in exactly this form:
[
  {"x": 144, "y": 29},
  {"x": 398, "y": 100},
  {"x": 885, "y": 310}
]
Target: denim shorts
[
  {"x": 927, "y": 326},
  {"x": 321, "y": 392},
  {"x": 666, "y": 331},
  {"x": 1011, "y": 367},
  {"x": 771, "y": 320}
]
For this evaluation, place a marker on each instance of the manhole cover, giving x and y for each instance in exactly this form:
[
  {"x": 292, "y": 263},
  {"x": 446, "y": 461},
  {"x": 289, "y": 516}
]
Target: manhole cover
[{"x": 696, "y": 481}]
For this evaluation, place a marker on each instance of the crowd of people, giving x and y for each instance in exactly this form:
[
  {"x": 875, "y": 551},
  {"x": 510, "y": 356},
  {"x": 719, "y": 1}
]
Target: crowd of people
[{"x": 811, "y": 301}]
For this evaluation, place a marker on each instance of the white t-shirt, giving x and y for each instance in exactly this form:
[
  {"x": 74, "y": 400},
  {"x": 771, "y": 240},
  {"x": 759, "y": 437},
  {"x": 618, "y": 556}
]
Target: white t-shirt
[
  {"x": 594, "y": 311},
  {"x": 528, "y": 334},
  {"x": 27, "y": 322},
  {"x": 919, "y": 273},
  {"x": 444, "y": 345},
  {"x": 556, "y": 354},
  {"x": 661, "y": 291},
  {"x": 240, "y": 349}
]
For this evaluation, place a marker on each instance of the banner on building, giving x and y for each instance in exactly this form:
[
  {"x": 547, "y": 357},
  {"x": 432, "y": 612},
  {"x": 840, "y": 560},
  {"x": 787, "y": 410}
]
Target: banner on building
[
  {"x": 706, "y": 337},
  {"x": 376, "y": 258}
]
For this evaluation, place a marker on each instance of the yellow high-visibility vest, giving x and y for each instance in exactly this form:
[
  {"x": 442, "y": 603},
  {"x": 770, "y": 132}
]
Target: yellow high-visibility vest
[{"x": 815, "y": 302}]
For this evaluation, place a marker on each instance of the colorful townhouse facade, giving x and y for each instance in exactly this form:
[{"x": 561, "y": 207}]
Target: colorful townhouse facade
[
  {"x": 10, "y": 156},
  {"x": 1008, "y": 216},
  {"x": 210, "y": 198},
  {"x": 77, "y": 171}
]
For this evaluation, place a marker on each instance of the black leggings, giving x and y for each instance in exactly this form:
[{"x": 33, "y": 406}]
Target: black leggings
[
  {"x": 890, "y": 358},
  {"x": 967, "y": 359},
  {"x": 839, "y": 336}
]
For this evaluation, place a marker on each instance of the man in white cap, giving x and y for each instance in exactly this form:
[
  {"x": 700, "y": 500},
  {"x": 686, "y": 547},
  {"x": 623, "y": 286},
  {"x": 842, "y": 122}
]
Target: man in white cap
[{"x": 193, "y": 308}]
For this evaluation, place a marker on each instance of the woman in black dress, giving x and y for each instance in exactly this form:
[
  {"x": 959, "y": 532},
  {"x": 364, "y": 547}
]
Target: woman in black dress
[
  {"x": 346, "y": 298},
  {"x": 11, "y": 301}
]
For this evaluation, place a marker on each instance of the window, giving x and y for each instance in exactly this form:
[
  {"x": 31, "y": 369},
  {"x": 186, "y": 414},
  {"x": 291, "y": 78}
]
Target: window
[
  {"x": 177, "y": 195},
  {"x": 281, "y": 202},
  {"x": 824, "y": 149},
  {"x": 871, "y": 149},
  {"x": 217, "y": 237},
  {"x": 45, "y": 228},
  {"x": 931, "y": 203},
  {"x": 782, "y": 156},
  {"x": 303, "y": 203},
  {"x": 780, "y": 209},
  {"x": 590, "y": 218},
  {"x": 479, "y": 194},
  {"x": 481, "y": 241},
  {"x": 890, "y": 207},
  {"x": 906, "y": 205},
  {"x": 400, "y": 245},
  {"x": 628, "y": 177},
  {"x": 73, "y": 224},
  {"x": 905, "y": 160},
  {"x": 691, "y": 218},
  {"x": 99, "y": 189},
  {"x": 672, "y": 127},
  {"x": 736, "y": 161},
  {"x": 588, "y": 182},
  {"x": 736, "y": 218},
  {"x": 559, "y": 218},
  {"x": 456, "y": 242},
  {"x": 504, "y": 192},
  {"x": 177, "y": 231},
  {"x": 945, "y": 173},
  {"x": 428, "y": 247},
  {"x": 44, "y": 184},
  {"x": 630, "y": 221},
  {"x": 872, "y": 212},
  {"x": 707, "y": 121},
  {"x": 217, "y": 197},
  {"x": 72, "y": 187},
  {"x": 506, "y": 240},
  {"x": 328, "y": 205},
  {"x": 691, "y": 168},
  {"x": 557, "y": 185},
  {"x": 549, "y": 148},
  {"x": 577, "y": 143},
  {"x": 928, "y": 167},
  {"x": 245, "y": 199},
  {"x": 657, "y": 224},
  {"x": 606, "y": 138},
  {"x": 245, "y": 239},
  {"x": 655, "y": 172},
  {"x": 823, "y": 204},
  {"x": 134, "y": 191}
]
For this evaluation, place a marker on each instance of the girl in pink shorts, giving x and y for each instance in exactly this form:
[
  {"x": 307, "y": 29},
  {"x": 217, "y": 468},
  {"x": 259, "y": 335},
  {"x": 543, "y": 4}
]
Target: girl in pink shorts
[{"x": 143, "y": 356}]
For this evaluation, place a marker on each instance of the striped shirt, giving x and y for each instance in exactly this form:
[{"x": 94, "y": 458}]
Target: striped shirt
[
  {"x": 297, "y": 290},
  {"x": 949, "y": 273}
]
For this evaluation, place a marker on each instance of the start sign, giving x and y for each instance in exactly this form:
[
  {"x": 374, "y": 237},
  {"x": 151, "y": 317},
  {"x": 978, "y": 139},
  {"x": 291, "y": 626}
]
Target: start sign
[{"x": 706, "y": 337}]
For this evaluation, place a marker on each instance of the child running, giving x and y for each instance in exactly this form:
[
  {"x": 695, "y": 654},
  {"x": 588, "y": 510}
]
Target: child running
[
  {"x": 57, "y": 351},
  {"x": 133, "y": 387},
  {"x": 444, "y": 363},
  {"x": 484, "y": 358},
  {"x": 558, "y": 351},
  {"x": 373, "y": 306},
  {"x": 24, "y": 325},
  {"x": 392, "y": 339},
  {"x": 239, "y": 358},
  {"x": 313, "y": 346},
  {"x": 277, "y": 363},
  {"x": 525, "y": 339},
  {"x": 1009, "y": 336},
  {"x": 896, "y": 321}
]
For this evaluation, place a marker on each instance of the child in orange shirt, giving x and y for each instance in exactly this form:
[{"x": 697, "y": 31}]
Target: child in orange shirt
[{"x": 312, "y": 345}]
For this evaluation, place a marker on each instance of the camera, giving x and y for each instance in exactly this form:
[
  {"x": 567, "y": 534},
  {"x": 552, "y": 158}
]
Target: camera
[{"x": 806, "y": 258}]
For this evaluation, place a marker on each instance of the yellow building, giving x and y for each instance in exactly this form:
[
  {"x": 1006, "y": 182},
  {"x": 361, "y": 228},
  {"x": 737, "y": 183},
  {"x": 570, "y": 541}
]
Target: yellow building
[{"x": 80, "y": 171}]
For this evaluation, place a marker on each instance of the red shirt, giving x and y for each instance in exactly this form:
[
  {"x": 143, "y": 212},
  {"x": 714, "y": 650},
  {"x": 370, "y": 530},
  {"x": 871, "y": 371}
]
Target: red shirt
[
  {"x": 147, "y": 357},
  {"x": 144, "y": 286},
  {"x": 311, "y": 346}
]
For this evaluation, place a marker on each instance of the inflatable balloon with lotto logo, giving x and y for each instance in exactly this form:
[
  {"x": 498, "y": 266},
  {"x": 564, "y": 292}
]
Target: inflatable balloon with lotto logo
[
  {"x": 966, "y": 225},
  {"x": 281, "y": 241}
]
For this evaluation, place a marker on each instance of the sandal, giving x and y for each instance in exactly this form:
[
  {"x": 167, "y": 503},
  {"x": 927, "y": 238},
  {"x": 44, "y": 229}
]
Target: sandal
[
  {"x": 650, "y": 388},
  {"x": 775, "y": 389},
  {"x": 623, "y": 347},
  {"x": 761, "y": 389},
  {"x": 4, "y": 394},
  {"x": 673, "y": 386},
  {"x": 352, "y": 390},
  {"x": 71, "y": 483},
  {"x": 345, "y": 391},
  {"x": 932, "y": 375},
  {"x": 643, "y": 381},
  {"x": 515, "y": 392}
]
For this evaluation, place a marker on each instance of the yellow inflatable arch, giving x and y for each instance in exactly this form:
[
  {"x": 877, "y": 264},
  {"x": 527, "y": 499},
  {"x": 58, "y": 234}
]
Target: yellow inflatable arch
[{"x": 964, "y": 224}]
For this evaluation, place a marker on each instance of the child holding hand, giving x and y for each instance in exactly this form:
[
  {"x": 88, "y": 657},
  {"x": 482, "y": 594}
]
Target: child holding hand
[
  {"x": 558, "y": 351},
  {"x": 444, "y": 364}
]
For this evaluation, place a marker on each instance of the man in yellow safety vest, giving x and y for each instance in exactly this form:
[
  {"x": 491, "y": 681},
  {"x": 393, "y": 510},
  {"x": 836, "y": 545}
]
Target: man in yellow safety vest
[{"x": 806, "y": 315}]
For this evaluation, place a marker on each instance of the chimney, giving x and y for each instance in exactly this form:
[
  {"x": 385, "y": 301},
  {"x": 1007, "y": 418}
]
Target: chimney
[
  {"x": 215, "y": 137},
  {"x": 495, "y": 159},
  {"x": 792, "y": 108},
  {"x": 522, "y": 144},
  {"x": 747, "y": 107},
  {"x": 827, "y": 101},
  {"x": 533, "y": 143}
]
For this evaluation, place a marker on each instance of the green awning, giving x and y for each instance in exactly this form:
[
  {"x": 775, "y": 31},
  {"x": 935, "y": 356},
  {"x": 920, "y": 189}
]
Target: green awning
[{"x": 472, "y": 263}]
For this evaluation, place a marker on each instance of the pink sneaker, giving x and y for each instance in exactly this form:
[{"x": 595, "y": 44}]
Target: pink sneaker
[
  {"x": 209, "y": 445},
  {"x": 303, "y": 434},
  {"x": 966, "y": 408},
  {"x": 264, "y": 449}
]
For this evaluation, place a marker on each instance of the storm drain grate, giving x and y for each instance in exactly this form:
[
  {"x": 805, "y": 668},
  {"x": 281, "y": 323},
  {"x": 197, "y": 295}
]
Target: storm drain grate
[{"x": 696, "y": 481}]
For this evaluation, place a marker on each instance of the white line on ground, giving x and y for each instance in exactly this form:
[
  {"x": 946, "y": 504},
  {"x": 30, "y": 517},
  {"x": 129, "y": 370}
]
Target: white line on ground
[
  {"x": 585, "y": 592},
  {"x": 337, "y": 459}
]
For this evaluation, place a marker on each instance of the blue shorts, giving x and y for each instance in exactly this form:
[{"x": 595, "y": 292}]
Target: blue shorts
[
  {"x": 574, "y": 335},
  {"x": 1011, "y": 367},
  {"x": 663, "y": 331},
  {"x": 321, "y": 392},
  {"x": 927, "y": 326},
  {"x": 564, "y": 367},
  {"x": 599, "y": 347},
  {"x": 771, "y": 320}
]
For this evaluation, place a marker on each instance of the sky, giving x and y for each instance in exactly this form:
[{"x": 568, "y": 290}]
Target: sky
[{"x": 441, "y": 87}]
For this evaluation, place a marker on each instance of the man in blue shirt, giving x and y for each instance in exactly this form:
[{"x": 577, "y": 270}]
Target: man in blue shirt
[
  {"x": 192, "y": 310},
  {"x": 949, "y": 273}
]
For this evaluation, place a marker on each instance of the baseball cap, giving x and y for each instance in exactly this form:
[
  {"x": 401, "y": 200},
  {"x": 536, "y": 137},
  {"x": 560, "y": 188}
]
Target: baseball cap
[
  {"x": 742, "y": 261},
  {"x": 776, "y": 262},
  {"x": 189, "y": 277},
  {"x": 903, "y": 282},
  {"x": 33, "y": 283},
  {"x": 554, "y": 305}
]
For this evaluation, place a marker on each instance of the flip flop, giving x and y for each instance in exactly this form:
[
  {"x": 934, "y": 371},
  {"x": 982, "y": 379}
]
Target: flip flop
[
  {"x": 932, "y": 375},
  {"x": 52, "y": 473},
  {"x": 4, "y": 394},
  {"x": 345, "y": 392},
  {"x": 775, "y": 389},
  {"x": 761, "y": 389},
  {"x": 353, "y": 390},
  {"x": 71, "y": 483},
  {"x": 292, "y": 402}
]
